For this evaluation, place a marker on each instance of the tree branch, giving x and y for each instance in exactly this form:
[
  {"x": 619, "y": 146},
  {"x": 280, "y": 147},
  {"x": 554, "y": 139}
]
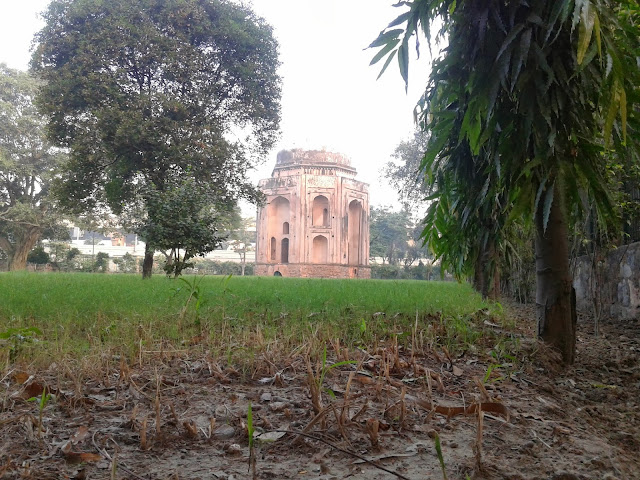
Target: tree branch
[{"x": 6, "y": 245}]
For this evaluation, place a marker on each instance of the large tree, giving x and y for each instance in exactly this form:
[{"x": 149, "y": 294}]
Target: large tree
[
  {"x": 404, "y": 172},
  {"x": 142, "y": 92},
  {"x": 28, "y": 163},
  {"x": 389, "y": 234},
  {"x": 522, "y": 102}
]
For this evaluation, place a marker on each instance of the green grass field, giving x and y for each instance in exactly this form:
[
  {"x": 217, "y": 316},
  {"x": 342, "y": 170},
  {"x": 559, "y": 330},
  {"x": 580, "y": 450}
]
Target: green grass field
[{"x": 85, "y": 314}]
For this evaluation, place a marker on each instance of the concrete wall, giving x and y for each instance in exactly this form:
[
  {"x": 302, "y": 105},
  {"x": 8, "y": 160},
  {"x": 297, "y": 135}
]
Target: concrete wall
[{"x": 620, "y": 288}]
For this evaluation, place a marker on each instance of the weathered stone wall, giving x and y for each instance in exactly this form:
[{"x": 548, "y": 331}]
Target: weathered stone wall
[
  {"x": 620, "y": 288},
  {"x": 316, "y": 219},
  {"x": 313, "y": 271}
]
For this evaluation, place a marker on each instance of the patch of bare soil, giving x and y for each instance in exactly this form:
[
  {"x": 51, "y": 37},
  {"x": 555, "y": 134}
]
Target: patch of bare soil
[{"x": 178, "y": 417}]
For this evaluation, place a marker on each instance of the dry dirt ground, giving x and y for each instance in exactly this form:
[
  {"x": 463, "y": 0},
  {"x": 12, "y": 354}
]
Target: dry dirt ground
[{"x": 180, "y": 417}]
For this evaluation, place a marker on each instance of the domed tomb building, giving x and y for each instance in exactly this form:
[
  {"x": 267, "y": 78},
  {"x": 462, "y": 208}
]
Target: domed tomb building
[{"x": 315, "y": 222}]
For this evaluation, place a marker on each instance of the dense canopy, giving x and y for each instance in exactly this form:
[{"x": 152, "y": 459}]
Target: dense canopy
[{"x": 143, "y": 92}]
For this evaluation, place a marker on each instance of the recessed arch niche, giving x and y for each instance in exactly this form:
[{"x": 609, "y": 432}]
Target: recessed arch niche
[
  {"x": 278, "y": 218},
  {"x": 320, "y": 211},
  {"x": 320, "y": 249}
]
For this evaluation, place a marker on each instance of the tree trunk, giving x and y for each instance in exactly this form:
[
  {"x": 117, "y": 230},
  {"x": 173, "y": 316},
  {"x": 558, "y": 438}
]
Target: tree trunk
[
  {"x": 147, "y": 265},
  {"x": 555, "y": 298},
  {"x": 24, "y": 244},
  {"x": 492, "y": 269},
  {"x": 478, "y": 275},
  {"x": 486, "y": 275}
]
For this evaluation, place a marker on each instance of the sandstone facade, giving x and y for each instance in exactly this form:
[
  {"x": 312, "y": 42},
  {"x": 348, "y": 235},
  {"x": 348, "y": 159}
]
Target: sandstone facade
[{"x": 316, "y": 219}]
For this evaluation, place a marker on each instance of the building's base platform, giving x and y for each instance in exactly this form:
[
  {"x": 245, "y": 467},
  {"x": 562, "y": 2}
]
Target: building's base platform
[{"x": 311, "y": 270}]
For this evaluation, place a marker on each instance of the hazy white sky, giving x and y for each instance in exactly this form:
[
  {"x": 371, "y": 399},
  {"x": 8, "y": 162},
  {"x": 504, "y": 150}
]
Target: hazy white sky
[{"x": 330, "y": 99}]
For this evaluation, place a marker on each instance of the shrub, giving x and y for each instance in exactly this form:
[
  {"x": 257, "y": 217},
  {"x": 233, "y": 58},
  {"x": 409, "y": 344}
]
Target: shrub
[{"x": 38, "y": 256}]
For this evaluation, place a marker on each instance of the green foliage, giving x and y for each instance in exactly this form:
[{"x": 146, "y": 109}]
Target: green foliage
[
  {"x": 519, "y": 108},
  {"x": 414, "y": 272},
  {"x": 389, "y": 234},
  {"x": 127, "y": 263},
  {"x": 325, "y": 368},
  {"x": 42, "y": 403},
  {"x": 194, "y": 293},
  {"x": 81, "y": 314},
  {"x": 28, "y": 165},
  {"x": 440, "y": 456},
  {"x": 404, "y": 172},
  {"x": 243, "y": 238},
  {"x": 71, "y": 254},
  {"x": 517, "y": 265},
  {"x": 250, "y": 428},
  {"x": 15, "y": 339},
  {"x": 65, "y": 258},
  {"x": 181, "y": 219},
  {"x": 102, "y": 262},
  {"x": 144, "y": 94},
  {"x": 214, "y": 267},
  {"x": 38, "y": 256}
]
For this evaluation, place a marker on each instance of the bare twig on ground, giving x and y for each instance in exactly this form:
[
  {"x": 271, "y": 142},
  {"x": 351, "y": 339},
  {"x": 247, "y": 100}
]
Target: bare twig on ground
[
  {"x": 106, "y": 455},
  {"x": 334, "y": 446}
]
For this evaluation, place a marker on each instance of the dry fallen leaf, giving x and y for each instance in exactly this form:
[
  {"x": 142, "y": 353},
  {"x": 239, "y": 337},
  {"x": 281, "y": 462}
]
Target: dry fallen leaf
[
  {"x": 489, "y": 407},
  {"x": 457, "y": 371},
  {"x": 80, "y": 435},
  {"x": 77, "y": 457},
  {"x": 21, "y": 377},
  {"x": 269, "y": 436},
  {"x": 34, "y": 389}
]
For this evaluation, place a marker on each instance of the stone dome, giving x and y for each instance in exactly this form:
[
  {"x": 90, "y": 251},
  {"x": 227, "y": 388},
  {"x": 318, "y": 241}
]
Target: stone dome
[{"x": 298, "y": 156}]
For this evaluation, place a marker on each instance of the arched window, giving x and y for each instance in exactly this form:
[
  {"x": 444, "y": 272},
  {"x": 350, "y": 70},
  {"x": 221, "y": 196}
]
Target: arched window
[
  {"x": 285, "y": 228},
  {"x": 284, "y": 257},
  {"x": 320, "y": 249},
  {"x": 320, "y": 212},
  {"x": 273, "y": 249}
]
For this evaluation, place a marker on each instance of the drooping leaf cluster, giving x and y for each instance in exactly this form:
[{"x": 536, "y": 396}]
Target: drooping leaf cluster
[{"x": 519, "y": 106}]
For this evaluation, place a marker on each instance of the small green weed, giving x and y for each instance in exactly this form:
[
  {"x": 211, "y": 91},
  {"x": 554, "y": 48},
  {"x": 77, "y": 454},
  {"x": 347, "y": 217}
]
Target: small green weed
[
  {"x": 17, "y": 338},
  {"x": 44, "y": 400},
  {"x": 491, "y": 368},
  {"x": 440, "y": 456},
  {"x": 194, "y": 293},
  {"x": 326, "y": 368}
]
